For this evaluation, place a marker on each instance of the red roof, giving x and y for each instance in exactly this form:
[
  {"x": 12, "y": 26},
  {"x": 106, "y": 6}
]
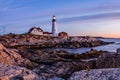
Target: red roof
[{"x": 38, "y": 28}]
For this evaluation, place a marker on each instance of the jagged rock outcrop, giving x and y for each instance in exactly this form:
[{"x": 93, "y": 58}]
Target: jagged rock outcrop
[
  {"x": 59, "y": 69},
  {"x": 58, "y": 63},
  {"x": 16, "y": 73},
  {"x": 97, "y": 74},
  {"x": 11, "y": 57},
  {"x": 54, "y": 63}
]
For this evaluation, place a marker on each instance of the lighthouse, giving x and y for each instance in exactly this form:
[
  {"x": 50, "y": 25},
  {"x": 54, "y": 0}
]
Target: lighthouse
[{"x": 54, "y": 30}]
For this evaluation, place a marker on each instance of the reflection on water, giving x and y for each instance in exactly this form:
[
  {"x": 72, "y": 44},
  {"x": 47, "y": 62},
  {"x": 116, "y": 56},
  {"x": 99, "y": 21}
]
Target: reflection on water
[{"x": 110, "y": 47}]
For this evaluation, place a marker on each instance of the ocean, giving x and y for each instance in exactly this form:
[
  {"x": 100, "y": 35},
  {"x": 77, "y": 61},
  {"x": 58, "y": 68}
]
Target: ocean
[{"x": 109, "y": 47}]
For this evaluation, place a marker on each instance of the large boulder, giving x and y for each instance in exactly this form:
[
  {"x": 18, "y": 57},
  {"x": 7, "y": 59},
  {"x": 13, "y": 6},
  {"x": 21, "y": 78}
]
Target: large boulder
[
  {"x": 97, "y": 74},
  {"x": 16, "y": 73}
]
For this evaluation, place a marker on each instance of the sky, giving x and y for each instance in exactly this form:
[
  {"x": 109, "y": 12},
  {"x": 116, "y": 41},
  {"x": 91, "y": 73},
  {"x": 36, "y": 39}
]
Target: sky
[{"x": 76, "y": 17}]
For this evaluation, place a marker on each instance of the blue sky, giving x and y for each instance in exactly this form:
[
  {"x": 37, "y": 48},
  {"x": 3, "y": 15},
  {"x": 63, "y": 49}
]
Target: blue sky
[{"x": 77, "y": 17}]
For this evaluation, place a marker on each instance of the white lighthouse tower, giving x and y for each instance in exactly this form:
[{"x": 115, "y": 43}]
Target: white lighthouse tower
[{"x": 54, "y": 30}]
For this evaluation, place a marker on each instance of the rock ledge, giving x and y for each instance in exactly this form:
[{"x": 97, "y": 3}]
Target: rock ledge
[{"x": 97, "y": 74}]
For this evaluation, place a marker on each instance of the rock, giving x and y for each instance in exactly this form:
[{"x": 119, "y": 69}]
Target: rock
[
  {"x": 11, "y": 57},
  {"x": 108, "y": 60},
  {"x": 59, "y": 63},
  {"x": 97, "y": 74},
  {"x": 16, "y": 73},
  {"x": 59, "y": 69}
]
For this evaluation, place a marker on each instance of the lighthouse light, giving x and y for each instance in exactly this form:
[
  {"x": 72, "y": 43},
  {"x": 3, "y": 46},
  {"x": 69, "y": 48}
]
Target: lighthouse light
[{"x": 54, "y": 17}]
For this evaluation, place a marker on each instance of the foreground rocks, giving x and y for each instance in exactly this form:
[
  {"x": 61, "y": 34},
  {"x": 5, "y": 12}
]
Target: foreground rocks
[
  {"x": 16, "y": 73},
  {"x": 51, "y": 65},
  {"x": 45, "y": 64},
  {"x": 97, "y": 74},
  {"x": 57, "y": 63}
]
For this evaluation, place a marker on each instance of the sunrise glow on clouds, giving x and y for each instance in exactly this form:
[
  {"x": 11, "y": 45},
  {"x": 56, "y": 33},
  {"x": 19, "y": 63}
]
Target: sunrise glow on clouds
[{"x": 77, "y": 17}]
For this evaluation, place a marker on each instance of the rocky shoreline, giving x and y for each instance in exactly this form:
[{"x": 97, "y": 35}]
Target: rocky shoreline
[
  {"x": 42, "y": 64},
  {"x": 40, "y": 42},
  {"x": 34, "y": 63}
]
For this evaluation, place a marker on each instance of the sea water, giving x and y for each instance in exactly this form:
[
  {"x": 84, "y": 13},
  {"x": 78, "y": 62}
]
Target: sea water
[{"x": 109, "y": 47}]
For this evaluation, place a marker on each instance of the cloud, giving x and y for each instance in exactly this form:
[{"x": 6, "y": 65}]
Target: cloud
[{"x": 100, "y": 16}]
